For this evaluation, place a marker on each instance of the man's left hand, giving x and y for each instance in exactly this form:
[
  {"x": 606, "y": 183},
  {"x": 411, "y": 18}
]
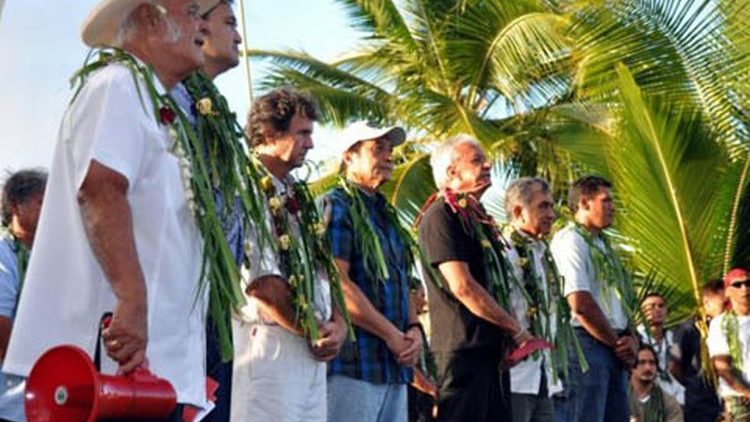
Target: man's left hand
[
  {"x": 332, "y": 337},
  {"x": 410, "y": 356}
]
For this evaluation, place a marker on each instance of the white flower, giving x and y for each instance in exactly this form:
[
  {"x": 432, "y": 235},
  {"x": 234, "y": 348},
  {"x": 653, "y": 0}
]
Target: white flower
[
  {"x": 204, "y": 106},
  {"x": 275, "y": 204},
  {"x": 285, "y": 242},
  {"x": 320, "y": 228}
]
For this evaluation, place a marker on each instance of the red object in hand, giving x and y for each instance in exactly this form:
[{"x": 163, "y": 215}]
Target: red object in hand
[
  {"x": 526, "y": 349},
  {"x": 64, "y": 386}
]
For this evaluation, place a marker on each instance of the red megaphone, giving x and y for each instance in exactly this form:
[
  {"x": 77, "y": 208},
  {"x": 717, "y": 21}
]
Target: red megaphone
[{"x": 64, "y": 386}]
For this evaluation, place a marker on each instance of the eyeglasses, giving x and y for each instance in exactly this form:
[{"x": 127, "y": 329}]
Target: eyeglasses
[{"x": 738, "y": 284}]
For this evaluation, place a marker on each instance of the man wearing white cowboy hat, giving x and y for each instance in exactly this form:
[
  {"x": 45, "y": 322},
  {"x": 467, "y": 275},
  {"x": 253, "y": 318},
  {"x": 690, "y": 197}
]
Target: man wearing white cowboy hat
[
  {"x": 116, "y": 232},
  {"x": 368, "y": 379}
]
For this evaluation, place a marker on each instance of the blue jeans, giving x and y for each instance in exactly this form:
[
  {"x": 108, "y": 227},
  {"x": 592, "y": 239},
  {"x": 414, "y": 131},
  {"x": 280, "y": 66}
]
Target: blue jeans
[
  {"x": 351, "y": 399},
  {"x": 598, "y": 395}
]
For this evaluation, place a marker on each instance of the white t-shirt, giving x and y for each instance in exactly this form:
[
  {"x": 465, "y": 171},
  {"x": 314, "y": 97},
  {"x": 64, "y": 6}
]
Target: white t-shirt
[
  {"x": 526, "y": 376},
  {"x": 264, "y": 261},
  {"x": 573, "y": 259},
  {"x": 66, "y": 292},
  {"x": 718, "y": 346}
]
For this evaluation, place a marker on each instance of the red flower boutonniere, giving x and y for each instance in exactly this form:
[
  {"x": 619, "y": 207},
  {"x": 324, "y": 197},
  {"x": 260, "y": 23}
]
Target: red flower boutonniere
[
  {"x": 167, "y": 115},
  {"x": 292, "y": 205}
]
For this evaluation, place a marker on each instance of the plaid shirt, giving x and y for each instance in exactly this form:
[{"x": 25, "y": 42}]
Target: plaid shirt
[{"x": 368, "y": 358}]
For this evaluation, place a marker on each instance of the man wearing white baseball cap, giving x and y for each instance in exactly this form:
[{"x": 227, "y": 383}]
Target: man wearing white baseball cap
[
  {"x": 117, "y": 231},
  {"x": 373, "y": 252}
]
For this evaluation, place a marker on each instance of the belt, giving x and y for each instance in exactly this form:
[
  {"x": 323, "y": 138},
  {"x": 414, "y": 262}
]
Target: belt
[{"x": 618, "y": 333}]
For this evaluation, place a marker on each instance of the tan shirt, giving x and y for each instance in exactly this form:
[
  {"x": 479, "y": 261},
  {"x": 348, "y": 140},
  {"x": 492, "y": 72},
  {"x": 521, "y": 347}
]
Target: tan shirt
[{"x": 672, "y": 409}]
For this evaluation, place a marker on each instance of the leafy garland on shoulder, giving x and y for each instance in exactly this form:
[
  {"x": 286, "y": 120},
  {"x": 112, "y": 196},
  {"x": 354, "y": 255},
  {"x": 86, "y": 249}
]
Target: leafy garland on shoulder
[
  {"x": 200, "y": 177},
  {"x": 611, "y": 271},
  {"x": 730, "y": 327},
  {"x": 301, "y": 255},
  {"x": 542, "y": 307},
  {"x": 477, "y": 223},
  {"x": 368, "y": 241}
]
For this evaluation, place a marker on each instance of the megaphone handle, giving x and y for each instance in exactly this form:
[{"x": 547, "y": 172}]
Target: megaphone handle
[{"x": 104, "y": 322}]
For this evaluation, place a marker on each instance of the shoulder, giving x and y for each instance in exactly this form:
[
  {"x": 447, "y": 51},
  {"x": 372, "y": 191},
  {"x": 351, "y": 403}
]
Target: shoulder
[
  {"x": 437, "y": 213},
  {"x": 568, "y": 240},
  {"x": 7, "y": 254},
  {"x": 114, "y": 84}
]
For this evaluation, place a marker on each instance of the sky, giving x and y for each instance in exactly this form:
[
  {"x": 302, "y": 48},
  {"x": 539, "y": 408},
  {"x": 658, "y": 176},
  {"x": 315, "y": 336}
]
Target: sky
[{"x": 41, "y": 48}]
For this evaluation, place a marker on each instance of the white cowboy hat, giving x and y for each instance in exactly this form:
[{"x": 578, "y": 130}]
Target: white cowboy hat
[
  {"x": 100, "y": 27},
  {"x": 365, "y": 131}
]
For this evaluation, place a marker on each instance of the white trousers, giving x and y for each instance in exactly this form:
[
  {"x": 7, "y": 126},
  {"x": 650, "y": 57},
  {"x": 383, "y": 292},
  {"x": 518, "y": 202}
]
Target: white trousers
[{"x": 275, "y": 377}]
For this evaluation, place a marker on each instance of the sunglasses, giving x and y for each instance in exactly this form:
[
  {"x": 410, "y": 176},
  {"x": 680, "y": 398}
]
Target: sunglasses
[{"x": 738, "y": 284}]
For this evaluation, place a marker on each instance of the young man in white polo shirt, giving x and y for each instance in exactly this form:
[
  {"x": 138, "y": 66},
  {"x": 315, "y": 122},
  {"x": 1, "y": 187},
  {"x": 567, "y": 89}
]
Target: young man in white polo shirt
[
  {"x": 729, "y": 346},
  {"x": 594, "y": 281}
]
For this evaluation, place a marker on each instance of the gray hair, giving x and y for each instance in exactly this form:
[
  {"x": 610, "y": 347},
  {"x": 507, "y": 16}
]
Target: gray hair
[
  {"x": 519, "y": 192},
  {"x": 129, "y": 26},
  {"x": 444, "y": 155}
]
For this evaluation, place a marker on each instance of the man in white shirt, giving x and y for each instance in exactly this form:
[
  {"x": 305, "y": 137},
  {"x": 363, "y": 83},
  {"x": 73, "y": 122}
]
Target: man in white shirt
[
  {"x": 729, "y": 346},
  {"x": 530, "y": 210},
  {"x": 278, "y": 374},
  {"x": 584, "y": 257},
  {"x": 654, "y": 308},
  {"x": 116, "y": 232}
]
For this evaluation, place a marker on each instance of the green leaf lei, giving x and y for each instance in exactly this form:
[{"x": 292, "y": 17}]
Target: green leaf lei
[
  {"x": 200, "y": 177},
  {"x": 22, "y": 261},
  {"x": 730, "y": 327},
  {"x": 611, "y": 271},
  {"x": 232, "y": 173},
  {"x": 477, "y": 223},
  {"x": 368, "y": 241},
  {"x": 653, "y": 409},
  {"x": 542, "y": 307},
  {"x": 300, "y": 256}
]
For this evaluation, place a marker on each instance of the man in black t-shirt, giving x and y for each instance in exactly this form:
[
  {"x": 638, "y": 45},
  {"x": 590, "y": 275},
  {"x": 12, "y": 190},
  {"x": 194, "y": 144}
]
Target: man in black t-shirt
[{"x": 470, "y": 330}]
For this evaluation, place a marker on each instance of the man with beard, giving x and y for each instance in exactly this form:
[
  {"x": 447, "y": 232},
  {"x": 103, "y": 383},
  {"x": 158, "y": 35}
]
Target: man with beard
[
  {"x": 469, "y": 279},
  {"x": 729, "y": 346},
  {"x": 116, "y": 232},
  {"x": 648, "y": 402}
]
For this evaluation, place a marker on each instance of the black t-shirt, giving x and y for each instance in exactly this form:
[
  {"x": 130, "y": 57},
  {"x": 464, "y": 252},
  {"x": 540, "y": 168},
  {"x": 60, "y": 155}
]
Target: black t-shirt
[
  {"x": 454, "y": 328},
  {"x": 701, "y": 401}
]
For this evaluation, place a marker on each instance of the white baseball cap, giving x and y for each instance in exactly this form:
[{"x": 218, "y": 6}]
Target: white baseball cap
[{"x": 366, "y": 131}]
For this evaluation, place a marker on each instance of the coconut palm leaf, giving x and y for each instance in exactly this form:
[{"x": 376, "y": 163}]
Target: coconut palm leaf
[
  {"x": 676, "y": 49},
  {"x": 673, "y": 187}
]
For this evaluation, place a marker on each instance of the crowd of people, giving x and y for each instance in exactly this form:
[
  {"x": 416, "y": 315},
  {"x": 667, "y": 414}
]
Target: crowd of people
[{"x": 216, "y": 262}]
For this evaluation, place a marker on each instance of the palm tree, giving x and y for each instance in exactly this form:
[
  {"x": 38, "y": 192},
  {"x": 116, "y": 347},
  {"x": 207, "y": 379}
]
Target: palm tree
[{"x": 651, "y": 93}]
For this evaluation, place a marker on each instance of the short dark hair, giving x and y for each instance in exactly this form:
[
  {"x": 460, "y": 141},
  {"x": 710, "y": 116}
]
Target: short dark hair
[
  {"x": 647, "y": 346},
  {"x": 19, "y": 187},
  {"x": 713, "y": 287},
  {"x": 653, "y": 293},
  {"x": 586, "y": 186},
  {"x": 275, "y": 110}
]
